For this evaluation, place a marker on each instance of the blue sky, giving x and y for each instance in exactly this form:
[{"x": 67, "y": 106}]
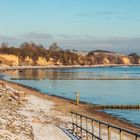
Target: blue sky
[{"x": 81, "y": 24}]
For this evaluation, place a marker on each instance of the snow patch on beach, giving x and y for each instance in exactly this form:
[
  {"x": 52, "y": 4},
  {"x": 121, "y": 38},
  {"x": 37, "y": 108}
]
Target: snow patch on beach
[{"x": 44, "y": 119}]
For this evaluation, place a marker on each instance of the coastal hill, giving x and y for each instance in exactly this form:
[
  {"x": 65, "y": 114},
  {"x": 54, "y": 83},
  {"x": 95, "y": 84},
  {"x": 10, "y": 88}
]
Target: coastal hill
[{"x": 31, "y": 54}]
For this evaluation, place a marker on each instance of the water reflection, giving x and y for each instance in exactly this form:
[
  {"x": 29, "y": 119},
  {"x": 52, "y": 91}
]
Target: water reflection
[
  {"x": 30, "y": 74},
  {"x": 117, "y": 73}
]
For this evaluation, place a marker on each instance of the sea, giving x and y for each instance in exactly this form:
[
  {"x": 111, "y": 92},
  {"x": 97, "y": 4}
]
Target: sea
[{"x": 96, "y": 85}]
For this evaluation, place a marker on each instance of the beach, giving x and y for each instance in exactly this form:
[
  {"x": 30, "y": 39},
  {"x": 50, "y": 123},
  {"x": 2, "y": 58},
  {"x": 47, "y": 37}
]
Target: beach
[
  {"x": 70, "y": 70},
  {"x": 3, "y": 68},
  {"x": 48, "y": 113},
  {"x": 28, "y": 116}
]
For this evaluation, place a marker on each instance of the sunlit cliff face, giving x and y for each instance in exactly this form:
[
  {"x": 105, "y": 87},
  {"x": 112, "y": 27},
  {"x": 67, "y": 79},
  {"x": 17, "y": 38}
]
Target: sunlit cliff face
[{"x": 101, "y": 58}]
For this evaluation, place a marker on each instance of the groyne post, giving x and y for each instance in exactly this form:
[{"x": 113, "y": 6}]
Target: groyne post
[{"x": 77, "y": 93}]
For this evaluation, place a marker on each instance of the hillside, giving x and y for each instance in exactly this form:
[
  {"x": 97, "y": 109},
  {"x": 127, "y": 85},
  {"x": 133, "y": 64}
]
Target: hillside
[{"x": 30, "y": 54}]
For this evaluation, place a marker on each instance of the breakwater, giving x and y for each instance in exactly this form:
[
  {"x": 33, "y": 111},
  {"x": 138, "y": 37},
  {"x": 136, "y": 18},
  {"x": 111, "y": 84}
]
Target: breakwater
[{"x": 116, "y": 106}]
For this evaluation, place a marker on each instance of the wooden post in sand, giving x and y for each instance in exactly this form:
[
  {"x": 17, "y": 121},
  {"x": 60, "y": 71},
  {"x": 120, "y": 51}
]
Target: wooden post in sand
[{"x": 77, "y": 97}]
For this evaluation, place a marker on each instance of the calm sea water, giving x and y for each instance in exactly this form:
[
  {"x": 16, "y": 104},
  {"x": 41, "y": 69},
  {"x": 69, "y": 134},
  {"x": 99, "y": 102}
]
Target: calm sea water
[{"x": 107, "y": 85}]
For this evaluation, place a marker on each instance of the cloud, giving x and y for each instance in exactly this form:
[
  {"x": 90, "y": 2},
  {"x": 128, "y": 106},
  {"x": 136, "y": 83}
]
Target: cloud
[
  {"x": 101, "y": 13},
  {"x": 37, "y": 36},
  {"x": 63, "y": 36},
  {"x": 9, "y": 39},
  {"x": 74, "y": 37},
  {"x": 106, "y": 15},
  {"x": 118, "y": 44},
  {"x": 85, "y": 43},
  {"x": 4, "y": 38}
]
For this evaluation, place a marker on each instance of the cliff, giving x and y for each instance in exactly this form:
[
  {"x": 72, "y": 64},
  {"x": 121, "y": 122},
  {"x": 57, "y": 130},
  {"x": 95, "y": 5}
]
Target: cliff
[
  {"x": 30, "y": 54},
  {"x": 89, "y": 59},
  {"x": 109, "y": 58},
  {"x": 8, "y": 59}
]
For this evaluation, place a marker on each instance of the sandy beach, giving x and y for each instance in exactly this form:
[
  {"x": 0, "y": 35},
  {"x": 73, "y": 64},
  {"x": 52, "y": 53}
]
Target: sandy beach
[
  {"x": 43, "y": 115},
  {"x": 3, "y": 68},
  {"x": 32, "y": 114}
]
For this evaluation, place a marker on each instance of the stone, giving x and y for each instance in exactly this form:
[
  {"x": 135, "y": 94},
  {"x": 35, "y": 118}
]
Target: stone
[
  {"x": 12, "y": 123},
  {"x": 36, "y": 120}
]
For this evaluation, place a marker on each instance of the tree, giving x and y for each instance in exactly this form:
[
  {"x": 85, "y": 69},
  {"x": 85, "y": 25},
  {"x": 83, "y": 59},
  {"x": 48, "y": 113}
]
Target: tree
[{"x": 54, "y": 47}]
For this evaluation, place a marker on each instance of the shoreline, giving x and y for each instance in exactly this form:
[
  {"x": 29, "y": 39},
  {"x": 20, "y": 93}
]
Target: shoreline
[
  {"x": 66, "y": 105},
  {"x": 63, "y": 66}
]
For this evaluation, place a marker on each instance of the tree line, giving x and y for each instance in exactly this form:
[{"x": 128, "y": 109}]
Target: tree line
[{"x": 34, "y": 51}]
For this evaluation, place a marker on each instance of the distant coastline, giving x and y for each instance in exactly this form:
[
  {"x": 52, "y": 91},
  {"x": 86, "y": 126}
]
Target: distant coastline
[
  {"x": 31, "y": 54},
  {"x": 63, "y": 66}
]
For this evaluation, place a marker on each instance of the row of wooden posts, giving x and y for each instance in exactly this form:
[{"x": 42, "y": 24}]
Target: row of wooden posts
[{"x": 107, "y": 106}]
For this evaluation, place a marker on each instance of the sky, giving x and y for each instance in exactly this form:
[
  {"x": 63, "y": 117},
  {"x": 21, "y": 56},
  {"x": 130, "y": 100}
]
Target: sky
[{"x": 81, "y": 24}]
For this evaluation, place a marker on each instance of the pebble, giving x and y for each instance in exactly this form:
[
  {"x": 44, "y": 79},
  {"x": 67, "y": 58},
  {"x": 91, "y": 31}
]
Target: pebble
[{"x": 13, "y": 126}]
